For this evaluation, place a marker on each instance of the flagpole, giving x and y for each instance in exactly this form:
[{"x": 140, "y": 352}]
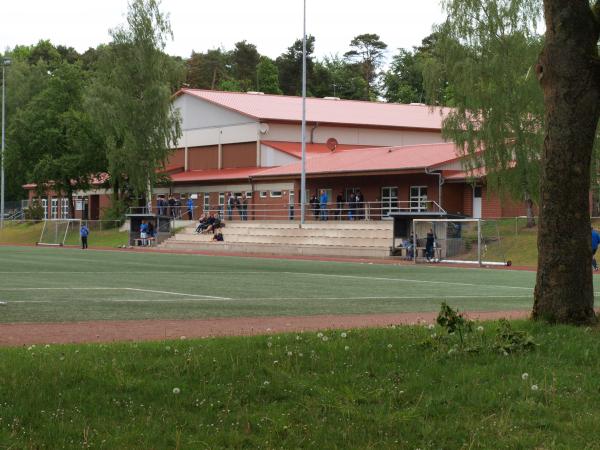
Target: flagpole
[{"x": 303, "y": 173}]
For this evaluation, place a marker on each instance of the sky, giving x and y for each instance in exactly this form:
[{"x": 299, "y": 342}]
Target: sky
[{"x": 199, "y": 25}]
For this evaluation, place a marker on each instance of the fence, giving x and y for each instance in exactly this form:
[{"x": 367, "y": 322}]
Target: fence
[{"x": 291, "y": 211}]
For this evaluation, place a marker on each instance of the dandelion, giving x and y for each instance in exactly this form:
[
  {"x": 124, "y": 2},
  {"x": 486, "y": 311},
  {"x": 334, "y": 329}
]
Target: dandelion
[
  {"x": 434, "y": 335},
  {"x": 389, "y": 345},
  {"x": 289, "y": 353},
  {"x": 451, "y": 351},
  {"x": 534, "y": 387},
  {"x": 325, "y": 338},
  {"x": 298, "y": 338},
  {"x": 168, "y": 348},
  {"x": 525, "y": 376},
  {"x": 47, "y": 346},
  {"x": 480, "y": 329},
  {"x": 176, "y": 391},
  {"x": 183, "y": 338},
  {"x": 275, "y": 362},
  {"x": 300, "y": 355},
  {"x": 319, "y": 335},
  {"x": 431, "y": 326},
  {"x": 343, "y": 335},
  {"x": 346, "y": 348},
  {"x": 269, "y": 344},
  {"x": 266, "y": 383}
]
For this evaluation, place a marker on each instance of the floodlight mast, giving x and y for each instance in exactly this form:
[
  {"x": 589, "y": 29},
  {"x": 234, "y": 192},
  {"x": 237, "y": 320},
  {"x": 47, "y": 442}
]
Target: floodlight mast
[
  {"x": 5, "y": 62},
  {"x": 303, "y": 172}
]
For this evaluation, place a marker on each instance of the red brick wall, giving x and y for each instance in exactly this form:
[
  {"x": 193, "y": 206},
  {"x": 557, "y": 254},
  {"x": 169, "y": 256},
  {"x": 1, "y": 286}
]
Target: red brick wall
[
  {"x": 203, "y": 157},
  {"x": 467, "y": 200},
  {"x": 239, "y": 155},
  {"x": 453, "y": 198}
]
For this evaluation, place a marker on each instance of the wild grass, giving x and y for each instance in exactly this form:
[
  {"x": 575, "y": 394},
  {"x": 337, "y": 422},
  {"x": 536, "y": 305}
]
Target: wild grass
[
  {"x": 28, "y": 233},
  {"x": 381, "y": 388}
]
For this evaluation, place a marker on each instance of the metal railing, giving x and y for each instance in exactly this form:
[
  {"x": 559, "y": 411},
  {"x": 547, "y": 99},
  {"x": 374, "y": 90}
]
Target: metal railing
[{"x": 287, "y": 211}]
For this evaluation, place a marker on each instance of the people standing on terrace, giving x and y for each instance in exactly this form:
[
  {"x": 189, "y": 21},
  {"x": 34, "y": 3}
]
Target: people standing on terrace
[{"x": 323, "y": 200}]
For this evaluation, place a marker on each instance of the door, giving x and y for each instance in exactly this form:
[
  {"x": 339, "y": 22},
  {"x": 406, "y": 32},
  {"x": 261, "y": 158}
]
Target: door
[
  {"x": 94, "y": 207},
  {"x": 389, "y": 201},
  {"x": 477, "y": 202}
]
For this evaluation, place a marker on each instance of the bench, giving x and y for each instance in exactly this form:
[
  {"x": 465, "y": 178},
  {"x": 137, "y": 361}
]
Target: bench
[
  {"x": 143, "y": 242},
  {"x": 437, "y": 253}
]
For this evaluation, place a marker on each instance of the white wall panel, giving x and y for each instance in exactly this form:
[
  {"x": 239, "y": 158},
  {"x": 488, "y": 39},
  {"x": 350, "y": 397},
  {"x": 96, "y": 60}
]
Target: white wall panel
[{"x": 269, "y": 157}]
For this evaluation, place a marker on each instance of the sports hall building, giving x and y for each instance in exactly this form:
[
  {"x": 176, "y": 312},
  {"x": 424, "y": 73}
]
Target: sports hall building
[{"x": 249, "y": 144}]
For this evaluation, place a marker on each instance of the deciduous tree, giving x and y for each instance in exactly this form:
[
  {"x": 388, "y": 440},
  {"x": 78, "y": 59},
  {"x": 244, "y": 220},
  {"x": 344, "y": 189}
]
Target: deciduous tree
[{"x": 131, "y": 99}]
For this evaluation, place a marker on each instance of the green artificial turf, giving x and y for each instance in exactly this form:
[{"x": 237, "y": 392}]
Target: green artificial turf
[
  {"x": 61, "y": 284},
  {"x": 369, "y": 389}
]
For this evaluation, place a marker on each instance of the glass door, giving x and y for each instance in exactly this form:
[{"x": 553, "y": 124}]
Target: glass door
[{"x": 418, "y": 198}]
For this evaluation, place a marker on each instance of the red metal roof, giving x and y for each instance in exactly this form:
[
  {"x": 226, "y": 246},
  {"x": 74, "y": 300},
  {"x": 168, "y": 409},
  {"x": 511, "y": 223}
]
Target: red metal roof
[
  {"x": 216, "y": 174},
  {"x": 371, "y": 160},
  {"x": 295, "y": 148},
  {"x": 348, "y": 112}
]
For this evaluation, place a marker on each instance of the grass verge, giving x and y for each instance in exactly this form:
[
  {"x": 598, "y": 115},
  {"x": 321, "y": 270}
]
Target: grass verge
[{"x": 380, "y": 388}]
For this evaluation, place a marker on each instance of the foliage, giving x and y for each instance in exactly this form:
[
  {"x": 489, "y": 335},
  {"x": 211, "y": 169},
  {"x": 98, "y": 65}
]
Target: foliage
[
  {"x": 53, "y": 139},
  {"x": 207, "y": 70},
  {"x": 509, "y": 340},
  {"x": 244, "y": 62},
  {"x": 267, "y": 76},
  {"x": 289, "y": 65},
  {"x": 335, "y": 77},
  {"x": 489, "y": 52},
  {"x": 367, "y": 52},
  {"x": 131, "y": 99},
  {"x": 35, "y": 211},
  {"x": 116, "y": 211}
]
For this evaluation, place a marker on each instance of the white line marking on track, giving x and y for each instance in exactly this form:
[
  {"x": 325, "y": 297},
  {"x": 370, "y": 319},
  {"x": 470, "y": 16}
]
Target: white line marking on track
[{"x": 406, "y": 280}]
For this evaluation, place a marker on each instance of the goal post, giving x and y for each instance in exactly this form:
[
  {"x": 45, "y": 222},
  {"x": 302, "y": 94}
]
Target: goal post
[
  {"x": 459, "y": 241},
  {"x": 55, "y": 232}
]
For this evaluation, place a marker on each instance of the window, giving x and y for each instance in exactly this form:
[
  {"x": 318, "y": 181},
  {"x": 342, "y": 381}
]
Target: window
[
  {"x": 389, "y": 200},
  {"x": 275, "y": 194},
  {"x": 45, "y": 206},
  {"x": 263, "y": 194},
  {"x": 54, "y": 208},
  {"x": 418, "y": 198},
  {"x": 206, "y": 202},
  {"x": 64, "y": 208},
  {"x": 221, "y": 202},
  {"x": 349, "y": 191},
  {"x": 292, "y": 197}
]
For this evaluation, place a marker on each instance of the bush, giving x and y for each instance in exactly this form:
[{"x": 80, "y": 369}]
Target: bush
[{"x": 35, "y": 211}]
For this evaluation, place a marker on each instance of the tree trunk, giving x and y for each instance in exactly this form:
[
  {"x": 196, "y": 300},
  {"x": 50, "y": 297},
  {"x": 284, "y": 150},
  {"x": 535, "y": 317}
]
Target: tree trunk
[
  {"x": 530, "y": 216},
  {"x": 570, "y": 78}
]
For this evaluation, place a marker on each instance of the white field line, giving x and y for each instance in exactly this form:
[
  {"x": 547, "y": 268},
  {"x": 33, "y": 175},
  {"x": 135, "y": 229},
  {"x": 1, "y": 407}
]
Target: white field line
[
  {"x": 409, "y": 280},
  {"x": 211, "y": 297},
  {"x": 395, "y": 297},
  {"x": 170, "y": 272},
  {"x": 179, "y": 293}
]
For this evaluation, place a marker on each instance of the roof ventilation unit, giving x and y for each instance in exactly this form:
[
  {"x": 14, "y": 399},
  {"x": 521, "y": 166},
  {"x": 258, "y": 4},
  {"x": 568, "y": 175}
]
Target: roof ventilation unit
[
  {"x": 331, "y": 98},
  {"x": 418, "y": 104},
  {"x": 255, "y": 93}
]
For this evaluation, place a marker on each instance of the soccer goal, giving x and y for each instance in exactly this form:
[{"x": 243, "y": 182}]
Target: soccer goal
[
  {"x": 459, "y": 241},
  {"x": 56, "y": 232}
]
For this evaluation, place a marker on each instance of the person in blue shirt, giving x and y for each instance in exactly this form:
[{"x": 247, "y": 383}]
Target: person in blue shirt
[
  {"x": 595, "y": 244},
  {"x": 190, "y": 206},
  {"x": 323, "y": 200},
  {"x": 84, "y": 233}
]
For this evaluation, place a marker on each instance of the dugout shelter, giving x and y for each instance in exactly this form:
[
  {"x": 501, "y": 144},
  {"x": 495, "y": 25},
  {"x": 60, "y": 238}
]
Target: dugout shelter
[{"x": 162, "y": 228}]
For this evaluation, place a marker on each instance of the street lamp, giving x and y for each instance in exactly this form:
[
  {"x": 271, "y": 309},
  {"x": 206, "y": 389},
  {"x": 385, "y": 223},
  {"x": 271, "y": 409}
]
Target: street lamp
[
  {"x": 303, "y": 128},
  {"x": 5, "y": 63}
]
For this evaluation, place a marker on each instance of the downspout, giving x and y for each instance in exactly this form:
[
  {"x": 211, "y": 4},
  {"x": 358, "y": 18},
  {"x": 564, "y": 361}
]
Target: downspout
[
  {"x": 312, "y": 132},
  {"x": 440, "y": 183}
]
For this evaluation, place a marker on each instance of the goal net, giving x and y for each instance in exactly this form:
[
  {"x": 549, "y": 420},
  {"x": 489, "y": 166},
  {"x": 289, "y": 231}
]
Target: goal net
[
  {"x": 459, "y": 241},
  {"x": 56, "y": 232}
]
